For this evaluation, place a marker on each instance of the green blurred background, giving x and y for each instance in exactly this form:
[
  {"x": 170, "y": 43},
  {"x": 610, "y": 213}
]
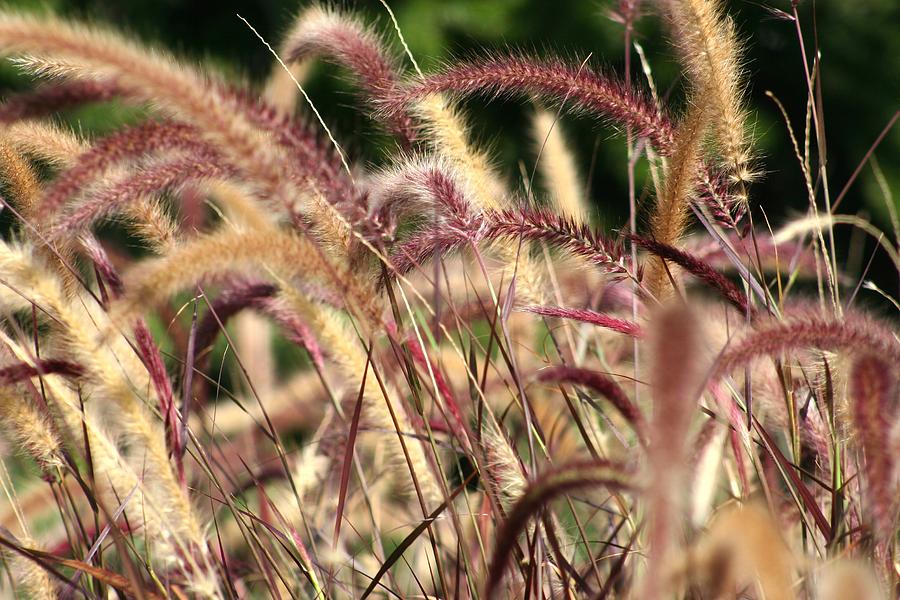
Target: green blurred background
[{"x": 859, "y": 43}]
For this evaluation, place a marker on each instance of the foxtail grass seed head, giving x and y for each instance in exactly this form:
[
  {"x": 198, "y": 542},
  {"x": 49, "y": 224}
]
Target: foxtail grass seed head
[{"x": 248, "y": 354}]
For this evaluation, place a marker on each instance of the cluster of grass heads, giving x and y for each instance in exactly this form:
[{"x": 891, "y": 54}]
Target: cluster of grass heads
[{"x": 487, "y": 396}]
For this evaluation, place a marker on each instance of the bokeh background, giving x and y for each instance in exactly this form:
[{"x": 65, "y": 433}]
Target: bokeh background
[{"x": 859, "y": 43}]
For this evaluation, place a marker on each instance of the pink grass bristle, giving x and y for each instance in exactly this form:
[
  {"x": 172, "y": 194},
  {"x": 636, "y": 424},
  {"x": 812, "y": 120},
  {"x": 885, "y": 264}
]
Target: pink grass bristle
[
  {"x": 57, "y": 96},
  {"x": 591, "y": 317},
  {"x": 578, "y": 88},
  {"x": 144, "y": 183},
  {"x": 342, "y": 40},
  {"x": 698, "y": 269},
  {"x": 150, "y": 137},
  {"x": 554, "y": 482},
  {"x": 875, "y": 408},
  {"x": 552, "y": 79},
  {"x": 314, "y": 159},
  {"x": 605, "y": 386},
  {"x": 676, "y": 376},
  {"x": 802, "y": 327},
  {"x": 529, "y": 224}
]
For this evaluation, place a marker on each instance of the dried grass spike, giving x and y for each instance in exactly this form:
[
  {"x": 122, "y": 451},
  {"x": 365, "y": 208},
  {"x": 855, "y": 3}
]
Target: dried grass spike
[
  {"x": 713, "y": 57},
  {"x": 670, "y": 217},
  {"x": 556, "y": 164},
  {"x": 90, "y": 53},
  {"x": 31, "y": 431},
  {"x": 209, "y": 258},
  {"x": 31, "y": 580}
]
